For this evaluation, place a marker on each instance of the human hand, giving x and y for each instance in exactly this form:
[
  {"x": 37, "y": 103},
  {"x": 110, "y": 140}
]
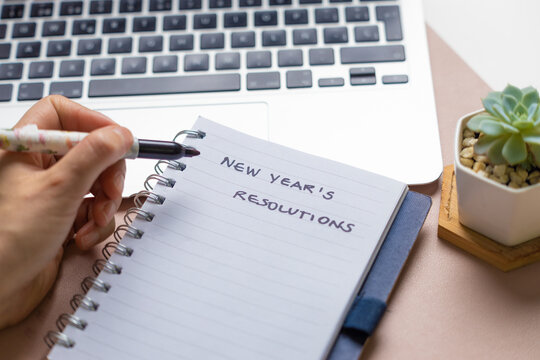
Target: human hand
[{"x": 42, "y": 201}]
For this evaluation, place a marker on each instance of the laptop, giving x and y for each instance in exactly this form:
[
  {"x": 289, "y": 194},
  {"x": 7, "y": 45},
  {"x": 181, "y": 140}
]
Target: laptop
[{"x": 348, "y": 80}]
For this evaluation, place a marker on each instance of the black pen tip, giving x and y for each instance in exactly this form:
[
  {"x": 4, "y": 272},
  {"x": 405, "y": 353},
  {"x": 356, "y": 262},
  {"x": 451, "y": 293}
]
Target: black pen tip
[{"x": 191, "y": 151}]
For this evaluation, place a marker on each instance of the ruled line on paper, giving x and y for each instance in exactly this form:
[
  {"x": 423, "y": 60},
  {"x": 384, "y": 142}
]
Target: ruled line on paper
[
  {"x": 250, "y": 149},
  {"x": 258, "y": 261},
  {"x": 176, "y": 338},
  {"x": 266, "y": 293},
  {"x": 258, "y": 276},
  {"x": 311, "y": 236},
  {"x": 197, "y": 315},
  {"x": 258, "y": 247},
  {"x": 308, "y": 321},
  {"x": 109, "y": 345}
]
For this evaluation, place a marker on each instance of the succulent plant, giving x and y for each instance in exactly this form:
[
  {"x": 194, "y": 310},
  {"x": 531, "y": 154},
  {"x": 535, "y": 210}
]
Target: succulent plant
[{"x": 510, "y": 127}]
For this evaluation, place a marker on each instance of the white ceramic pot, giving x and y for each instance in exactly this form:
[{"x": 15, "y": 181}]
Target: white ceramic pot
[{"x": 506, "y": 215}]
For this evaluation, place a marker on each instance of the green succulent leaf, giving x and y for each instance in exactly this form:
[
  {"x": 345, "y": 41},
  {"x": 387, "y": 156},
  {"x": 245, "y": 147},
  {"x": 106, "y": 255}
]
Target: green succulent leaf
[
  {"x": 522, "y": 125},
  {"x": 500, "y": 113},
  {"x": 495, "y": 154},
  {"x": 531, "y": 138},
  {"x": 521, "y": 109},
  {"x": 535, "y": 151},
  {"x": 513, "y": 91},
  {"x": 488, "y": 103},
  {"x": 484, "y": 143},
  {"x": 492, "y": 128},
  {"x": 530, "y": 96},
  {"x": 474, "y": 122},
  {"x": 534, "y": 112},
  {"x": 509, "y": 103},
  {"x": 514, "y": 150}
]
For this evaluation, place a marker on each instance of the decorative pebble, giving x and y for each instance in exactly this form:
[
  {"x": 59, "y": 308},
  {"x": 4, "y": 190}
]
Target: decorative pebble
[
  {"x": 468, "y": 133},
  {"x": 477, "y": 166},
  {"x": 499, "y": 170},
  {"x": 466, "y": 162},
  {"x": 470, "y": 141},
  {"x": 467, "y": 152},
  {"x": 513, "y": 185}
]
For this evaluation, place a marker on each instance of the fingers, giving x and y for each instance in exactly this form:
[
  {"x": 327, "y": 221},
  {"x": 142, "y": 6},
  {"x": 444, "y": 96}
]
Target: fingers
[
  {"x": 91, "y": 234},
  {"x": 58, "y": 112},
  {"x": 83, "y": 164}
]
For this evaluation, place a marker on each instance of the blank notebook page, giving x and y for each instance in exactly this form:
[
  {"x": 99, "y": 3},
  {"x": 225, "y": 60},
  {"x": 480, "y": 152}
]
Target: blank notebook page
[{"x": 256, "y": 253}]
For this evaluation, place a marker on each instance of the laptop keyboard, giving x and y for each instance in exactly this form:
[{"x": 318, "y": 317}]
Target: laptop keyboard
[{"x": 103, "y": 48}]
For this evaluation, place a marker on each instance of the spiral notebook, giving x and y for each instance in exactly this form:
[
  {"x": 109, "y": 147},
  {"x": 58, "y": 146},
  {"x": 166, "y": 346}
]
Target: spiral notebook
[{"x": 249, "y": 251}]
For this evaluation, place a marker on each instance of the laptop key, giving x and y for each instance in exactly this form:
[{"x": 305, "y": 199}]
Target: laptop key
[
  {"x": 89, "y": 47},
  {"x": 116, "y": 25},
  {"x": 336, "y": 35},
  {"x": 130, "y": 6},
  {"x": 69, "y": 89},
  {"x": 263, "y": 81},
  {"x": 3, "y": 28},
  {"x": 205, "y": 21},
  {"x": 280, "y": 2},
  {"x": 274, "y": 38},
  {"x": 290, "y": 58},
  {"x": 243, "y": 39},
  {"x": 235, "y": 19},
  {"x": 134, "y": 65},
  {"x": 356, "y": 13},
  {"x": 174, "y": 22},
  {"x": 150, "y": 43},
  {"x": 392, "y": 22},
  {"x": 395, "y": 79},
  {"x": 164, "y": 85},
  {"x": 321, "y": 56},
  {"x": 265, "y": 18},
  {"x": 12, "y": 11},
  {"x": 59, "y": 48},
  {"x": 196, "y": 62},
  {"x": 213, "y": 41},
  {"x": 11, "y": 71},
  {"x": 362, "y": 76},
  {"x": 366, "y": 33},
  {"x": 144, "y": 23},
  {"x": 294, "y": 17},
  {"x": 30, "y": 91},
  {"x": 5, "y": 92},
  {"x": 310, "y": 1},
  {"x": 220, "y": 4},
  {"x": 181, "y": 42},
  {"x": 70, "y": 8},
  {"x": 228, "y": 61},
  {"x": 304, "y": 36},
  {"x": 53, "y": 28},
  {"x": 5, "y": 49},
  {"x": 250, "y": 3},
  {"x": 326, "y": 15},
  {"x": 167, "y": 63},
  {"x": 299, "y": 79},
  {"x": 41, "y": 9},
  {"x": 101, "y": 7},
  {"x": 102, "y": 67},
  {"x": 28, "y": 49},
  {"x": 258, "y": 59},
  {"x": 23, "y": 30},
  {"x": 41, "y": 70},
  {"x": 330, "y": 82},
  {"x": 84, "y": 27},
  {"x": 368, "y": 54},
  {"x": 120, "y": 45},
  {"x": 160, "y": 5},
  {"x": 71, "y": 68},
  {"x": 190, "y": 4}
]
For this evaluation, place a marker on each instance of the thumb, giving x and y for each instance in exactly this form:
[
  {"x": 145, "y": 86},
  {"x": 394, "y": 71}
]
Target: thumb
[{"x": 83, "y": 164}]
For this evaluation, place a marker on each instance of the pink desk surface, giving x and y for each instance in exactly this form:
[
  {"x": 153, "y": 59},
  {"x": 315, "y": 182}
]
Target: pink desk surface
[{"x": 446, "y": 305}]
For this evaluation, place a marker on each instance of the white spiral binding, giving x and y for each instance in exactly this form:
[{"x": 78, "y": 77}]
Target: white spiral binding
[{"x": 79, "y": 300}]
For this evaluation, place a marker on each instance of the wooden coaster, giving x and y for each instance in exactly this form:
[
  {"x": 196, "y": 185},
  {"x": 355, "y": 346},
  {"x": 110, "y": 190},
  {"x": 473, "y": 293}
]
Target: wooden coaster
[{"x": 450, "y": 229}]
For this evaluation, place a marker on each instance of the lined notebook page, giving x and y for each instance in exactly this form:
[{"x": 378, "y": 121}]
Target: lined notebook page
[{"x": 256, "y": 253}]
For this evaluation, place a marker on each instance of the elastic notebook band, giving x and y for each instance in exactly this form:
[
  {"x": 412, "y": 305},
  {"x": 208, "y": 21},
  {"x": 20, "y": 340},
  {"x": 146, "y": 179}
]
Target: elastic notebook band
[
  {"x": 364, "y": 315},
  {"x": 85, "y": 302}
]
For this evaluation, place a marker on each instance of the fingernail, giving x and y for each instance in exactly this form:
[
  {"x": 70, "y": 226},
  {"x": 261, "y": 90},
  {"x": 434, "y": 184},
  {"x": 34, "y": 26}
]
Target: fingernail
[
  {"x": 109, "y": 210},
  {"x": 125, "y": 134},
  {"x": 119, "y": 178},
  {"x": 90, "y": 239}
]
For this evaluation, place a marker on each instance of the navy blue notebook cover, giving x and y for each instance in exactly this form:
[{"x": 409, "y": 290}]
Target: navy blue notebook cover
[{"x": 370, "y": 304}]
